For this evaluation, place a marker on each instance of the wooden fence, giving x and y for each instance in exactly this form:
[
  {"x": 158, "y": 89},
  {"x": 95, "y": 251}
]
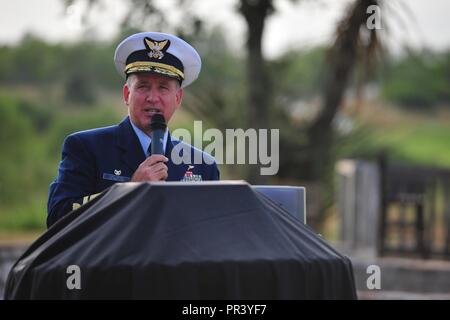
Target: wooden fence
[{"x": 394, "y": 209}]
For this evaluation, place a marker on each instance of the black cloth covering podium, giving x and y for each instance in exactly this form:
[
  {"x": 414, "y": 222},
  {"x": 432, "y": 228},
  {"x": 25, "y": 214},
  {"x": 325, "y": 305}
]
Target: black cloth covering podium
[{"x": 170, "y": 240}]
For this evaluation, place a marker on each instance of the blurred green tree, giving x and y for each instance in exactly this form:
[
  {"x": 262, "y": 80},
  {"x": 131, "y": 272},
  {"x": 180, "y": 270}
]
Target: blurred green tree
[
  {"x": 30, "y": 62},
  {"x": 418, "y": 79}
]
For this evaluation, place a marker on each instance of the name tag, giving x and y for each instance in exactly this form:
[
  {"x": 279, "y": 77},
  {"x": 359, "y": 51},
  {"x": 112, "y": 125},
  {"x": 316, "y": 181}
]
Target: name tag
[{"x": 113, "y": 177}]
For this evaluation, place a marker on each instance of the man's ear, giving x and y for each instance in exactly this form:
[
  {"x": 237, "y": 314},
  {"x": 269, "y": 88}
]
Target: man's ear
[
  {"x": 179, "y": 96},
  {"x": 126, "y": 93}
]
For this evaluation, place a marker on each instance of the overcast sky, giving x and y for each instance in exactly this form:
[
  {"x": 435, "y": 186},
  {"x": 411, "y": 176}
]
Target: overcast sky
[{"x": 424, "y": 23}]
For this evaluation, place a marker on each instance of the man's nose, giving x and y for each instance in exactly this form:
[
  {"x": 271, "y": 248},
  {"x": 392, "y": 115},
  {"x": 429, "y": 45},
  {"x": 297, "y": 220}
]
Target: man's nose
[{"x": 152, "y": 95}]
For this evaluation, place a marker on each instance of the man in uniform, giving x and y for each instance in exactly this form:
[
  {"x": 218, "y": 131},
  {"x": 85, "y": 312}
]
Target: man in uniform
[{"x": 157, "y": 68}]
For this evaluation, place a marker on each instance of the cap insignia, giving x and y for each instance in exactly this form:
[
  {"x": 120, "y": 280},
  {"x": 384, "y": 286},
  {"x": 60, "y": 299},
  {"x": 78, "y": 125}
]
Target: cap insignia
[{"x": 156, "y": 48}]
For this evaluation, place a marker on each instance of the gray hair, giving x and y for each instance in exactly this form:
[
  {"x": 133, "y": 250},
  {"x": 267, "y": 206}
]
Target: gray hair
[{"x": 128, "y": 81}]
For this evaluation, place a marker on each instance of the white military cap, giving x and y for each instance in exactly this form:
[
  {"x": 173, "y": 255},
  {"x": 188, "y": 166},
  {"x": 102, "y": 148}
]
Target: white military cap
[{"x": 158, "y": 53}]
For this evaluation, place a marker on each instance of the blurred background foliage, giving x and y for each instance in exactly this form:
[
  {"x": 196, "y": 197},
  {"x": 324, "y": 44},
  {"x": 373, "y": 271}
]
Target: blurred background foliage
[{"x": 50, "y": 90}]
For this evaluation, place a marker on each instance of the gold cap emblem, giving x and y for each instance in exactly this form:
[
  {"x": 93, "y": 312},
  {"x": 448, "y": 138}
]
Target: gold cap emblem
[{"x": 156, "y": 48}]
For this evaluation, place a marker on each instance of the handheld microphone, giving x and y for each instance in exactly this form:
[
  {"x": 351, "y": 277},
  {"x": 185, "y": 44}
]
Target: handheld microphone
[{"x": 158, "y": 127}]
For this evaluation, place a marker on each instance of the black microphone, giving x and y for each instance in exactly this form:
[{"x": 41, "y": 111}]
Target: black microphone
[{"x": 158, "y": 127}]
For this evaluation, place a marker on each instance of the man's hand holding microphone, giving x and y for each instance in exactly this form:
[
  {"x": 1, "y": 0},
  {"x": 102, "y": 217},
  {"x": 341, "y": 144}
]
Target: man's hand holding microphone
[{"x": 154, "y": 168}]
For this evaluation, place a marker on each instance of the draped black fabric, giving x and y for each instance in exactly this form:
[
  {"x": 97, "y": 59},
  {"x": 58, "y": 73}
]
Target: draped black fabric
[{"x": 170, "y": 240}]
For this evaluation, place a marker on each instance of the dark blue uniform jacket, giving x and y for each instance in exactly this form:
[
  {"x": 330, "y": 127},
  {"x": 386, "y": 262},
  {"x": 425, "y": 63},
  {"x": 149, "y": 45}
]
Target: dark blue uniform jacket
[{"x": 93, "y": 160}]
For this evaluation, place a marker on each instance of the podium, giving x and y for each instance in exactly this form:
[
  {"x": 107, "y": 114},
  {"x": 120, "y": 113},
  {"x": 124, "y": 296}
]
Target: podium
[
  {"x": 171, "y": 240},
  {"x": 292, "y": 199}
]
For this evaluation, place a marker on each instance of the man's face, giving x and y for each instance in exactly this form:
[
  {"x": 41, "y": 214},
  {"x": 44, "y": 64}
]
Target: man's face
[{"x": 147, "y": 94}]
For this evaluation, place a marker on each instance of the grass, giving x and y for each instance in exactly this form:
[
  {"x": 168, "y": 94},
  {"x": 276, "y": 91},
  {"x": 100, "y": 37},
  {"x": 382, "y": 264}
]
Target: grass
[
  {"x": 21, "y": 224},
  {"x": 412, "y": 137},
  {"x": 29, "y": 215},
  {"x": 426, "y": 144}
]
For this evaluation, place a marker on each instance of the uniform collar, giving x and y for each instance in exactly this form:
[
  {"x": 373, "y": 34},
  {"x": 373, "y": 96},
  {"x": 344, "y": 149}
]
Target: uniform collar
[{"x": 145, "y": 140}]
